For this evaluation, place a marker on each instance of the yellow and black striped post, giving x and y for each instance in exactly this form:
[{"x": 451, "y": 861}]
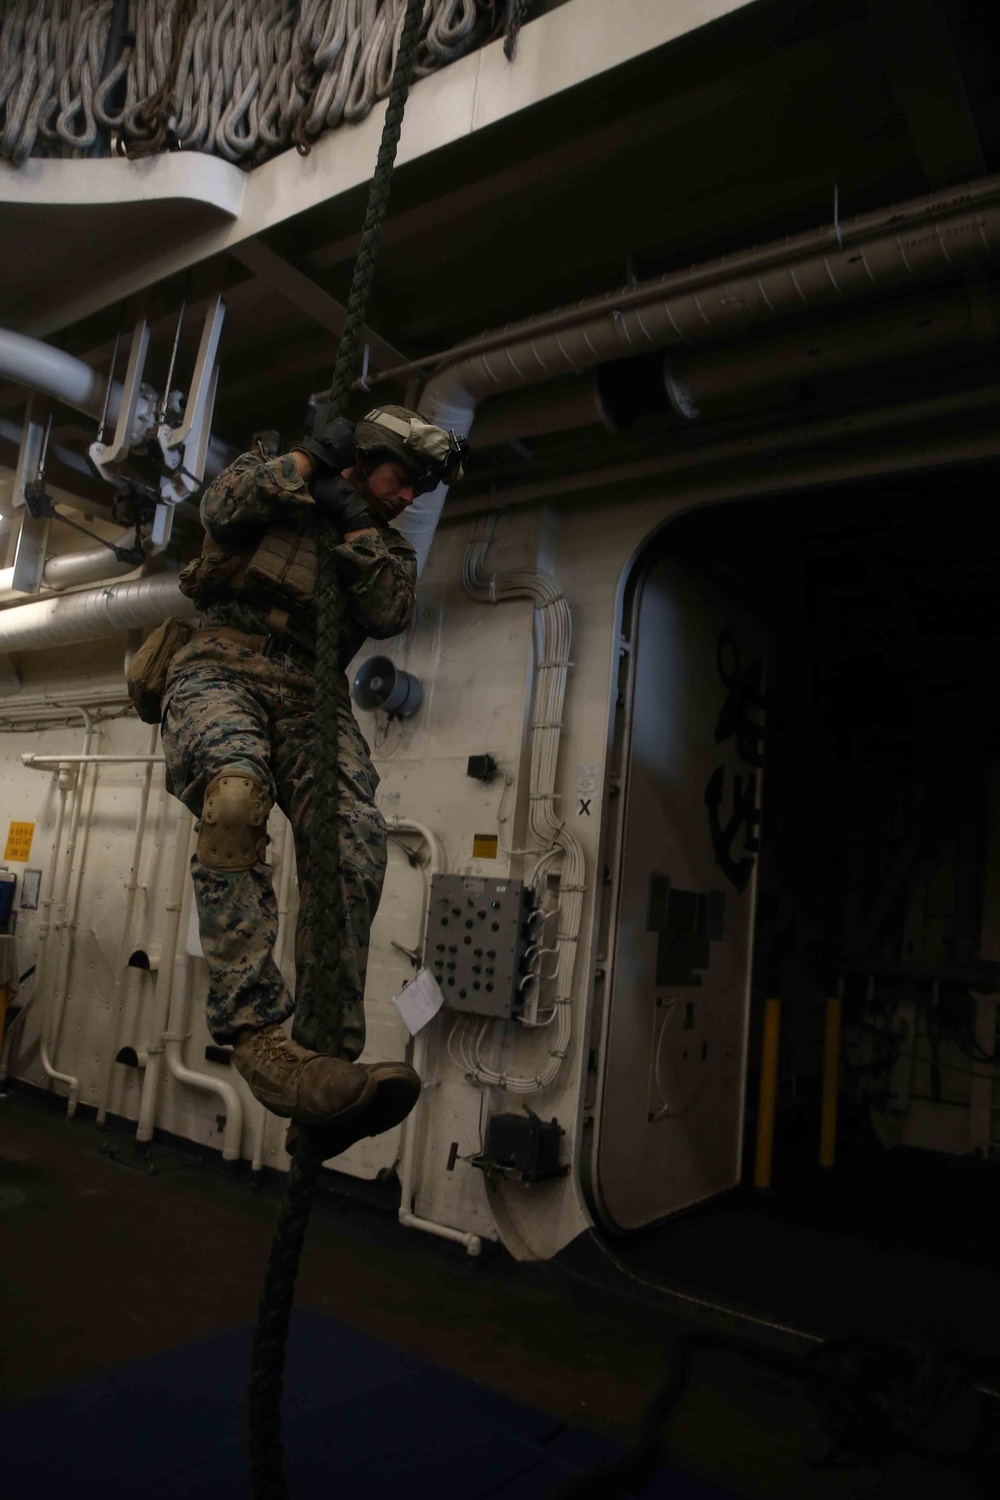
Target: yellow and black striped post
[
  {"x": 831, "y": 1069},
  {"x": 767, "y": 1101}
]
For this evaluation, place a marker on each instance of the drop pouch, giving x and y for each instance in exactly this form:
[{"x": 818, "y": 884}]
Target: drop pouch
[{"x": 147, "y": 671}]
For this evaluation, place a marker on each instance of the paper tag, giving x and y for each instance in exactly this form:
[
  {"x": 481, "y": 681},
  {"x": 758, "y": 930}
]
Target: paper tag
[
  {"x": 419, "y": 1001},
  {"x": 586, "y": 779}
]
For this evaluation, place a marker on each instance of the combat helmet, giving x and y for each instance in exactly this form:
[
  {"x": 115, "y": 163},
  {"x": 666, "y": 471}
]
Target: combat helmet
[{"x": 431, "y": 455}]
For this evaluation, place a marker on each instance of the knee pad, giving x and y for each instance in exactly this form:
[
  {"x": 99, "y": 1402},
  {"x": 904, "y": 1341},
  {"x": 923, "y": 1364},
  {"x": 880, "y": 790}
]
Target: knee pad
[{"x": 233, "y": 833}]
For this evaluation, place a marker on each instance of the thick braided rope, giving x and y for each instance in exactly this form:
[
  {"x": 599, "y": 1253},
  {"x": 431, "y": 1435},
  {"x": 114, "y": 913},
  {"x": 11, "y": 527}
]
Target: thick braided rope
[
  {"x": 267, "y": 1363},
  {"x": 267, "y": 1468},
  {"x": 518, "y": 15}
]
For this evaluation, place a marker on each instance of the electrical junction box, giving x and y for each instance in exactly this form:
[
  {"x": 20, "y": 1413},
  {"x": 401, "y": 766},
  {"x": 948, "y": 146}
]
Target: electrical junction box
[
  {"x": 523, "y": 1144},
  {"x": 477, "y": 932}
]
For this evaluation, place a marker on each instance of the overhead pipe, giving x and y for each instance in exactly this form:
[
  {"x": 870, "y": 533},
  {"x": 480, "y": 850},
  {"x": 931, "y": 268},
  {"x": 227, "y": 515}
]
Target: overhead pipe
[
  {"x": 616, "y": 394},
  {"x": 747, "y": 447},
  {"x": 899, "y": 246},
  {"x": 916, "y": 326},
  {"x": 905, "y": 218},
  {"x": 53, "y": 372},
  {"x": 577, "y": 401},
  {"x": 93, "y": 614},
  {"x": 906, "y": 244},
  {"x": 90, "y": 565}
]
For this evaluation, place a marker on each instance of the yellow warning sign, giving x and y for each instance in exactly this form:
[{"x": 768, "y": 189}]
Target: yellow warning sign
[
  {"x": 19, "y": 837},
  {"x": 484, "y": 846}
]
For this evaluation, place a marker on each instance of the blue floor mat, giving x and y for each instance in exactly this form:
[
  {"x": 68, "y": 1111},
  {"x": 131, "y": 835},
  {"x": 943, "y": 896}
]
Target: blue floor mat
[{"x": 383, "y": 1423}]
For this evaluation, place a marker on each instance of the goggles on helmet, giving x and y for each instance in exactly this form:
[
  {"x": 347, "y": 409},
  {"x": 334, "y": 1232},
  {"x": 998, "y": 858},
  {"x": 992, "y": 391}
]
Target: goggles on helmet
[{"x": 433, "y": 455}]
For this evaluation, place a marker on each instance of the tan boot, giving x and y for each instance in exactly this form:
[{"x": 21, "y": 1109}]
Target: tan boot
[
  {"x": 309, "y": 1087},
  {"x": 397, "y": 1091}
]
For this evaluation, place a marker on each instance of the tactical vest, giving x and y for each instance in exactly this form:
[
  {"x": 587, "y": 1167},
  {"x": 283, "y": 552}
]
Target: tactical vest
[{"x": 280, "y": 568}]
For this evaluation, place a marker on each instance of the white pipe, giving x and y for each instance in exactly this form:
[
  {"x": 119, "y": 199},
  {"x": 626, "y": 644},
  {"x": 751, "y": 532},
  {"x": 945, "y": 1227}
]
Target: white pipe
[
  {"x": 90, "y": 565},
  {"x": 125, "y": 948},
  {"x": 164, "y": 979},
  {"x": 905, "y": 244},
  {"x": 262, "y": 1115},
  {"x": 55, "y": 373},
  {"x": 176, "y": 1033},
  {"x": 93, "y": 614},
  {"x": 40, "y": 367},
  {"x": 902, "y": 245},
  {"x": 408, "y": 1146},
  {"x": 63, "y": 936},
  {"x": 47, "y": 762},
  {"x": 95, "y": 695},
  {"x": 74, "y": 913}
]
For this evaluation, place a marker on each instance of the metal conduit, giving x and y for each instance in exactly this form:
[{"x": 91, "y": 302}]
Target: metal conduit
[
  {"x": 94, "y": 614},
  {"x": 68, "y": 569},
  {"x": 904, "y": 219},
  {"x": 903, "y": 245}
]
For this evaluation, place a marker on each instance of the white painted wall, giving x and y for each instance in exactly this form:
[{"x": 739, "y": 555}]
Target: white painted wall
[{"x": 474, "y": 660}]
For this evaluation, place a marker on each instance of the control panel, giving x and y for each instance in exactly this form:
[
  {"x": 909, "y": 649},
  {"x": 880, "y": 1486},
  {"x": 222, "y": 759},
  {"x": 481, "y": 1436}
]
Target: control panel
[{"x": 477, "y": 933}]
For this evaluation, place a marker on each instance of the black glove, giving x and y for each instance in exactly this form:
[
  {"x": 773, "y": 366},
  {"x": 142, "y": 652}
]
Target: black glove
[
  {"x": 334, "y": 449},
  {"x": 345, "y": 507}
]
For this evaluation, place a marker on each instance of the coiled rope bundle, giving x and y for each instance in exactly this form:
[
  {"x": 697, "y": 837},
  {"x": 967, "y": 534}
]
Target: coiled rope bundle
[{"x": 240, "y": 79}]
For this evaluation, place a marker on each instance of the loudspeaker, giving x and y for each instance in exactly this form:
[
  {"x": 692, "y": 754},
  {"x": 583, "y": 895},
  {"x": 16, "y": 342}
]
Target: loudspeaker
[{"x": 381, "y": 684}]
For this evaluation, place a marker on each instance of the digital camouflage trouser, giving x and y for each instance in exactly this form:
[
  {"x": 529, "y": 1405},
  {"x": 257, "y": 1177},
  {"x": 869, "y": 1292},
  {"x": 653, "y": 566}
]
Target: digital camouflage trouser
[{"x": 228, "y": 706}]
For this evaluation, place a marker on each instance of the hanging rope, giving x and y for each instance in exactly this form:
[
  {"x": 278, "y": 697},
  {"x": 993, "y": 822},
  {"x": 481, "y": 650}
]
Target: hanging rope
[
  {"x": 518, "y": 14},
  {"x": 267, "y": 1364}
]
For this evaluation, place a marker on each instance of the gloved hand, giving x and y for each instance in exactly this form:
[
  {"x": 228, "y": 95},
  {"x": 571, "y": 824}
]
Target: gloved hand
[
  {"x": 338, "y": 500},
  {"x": 333, "y": 450}
]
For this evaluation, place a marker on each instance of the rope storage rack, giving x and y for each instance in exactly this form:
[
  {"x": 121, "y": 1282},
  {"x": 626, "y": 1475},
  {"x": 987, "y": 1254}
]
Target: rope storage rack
[{"x": 240, "y": 79}]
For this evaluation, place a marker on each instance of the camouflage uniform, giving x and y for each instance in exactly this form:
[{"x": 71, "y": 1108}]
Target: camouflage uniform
[{"x": 229, "y": 706}]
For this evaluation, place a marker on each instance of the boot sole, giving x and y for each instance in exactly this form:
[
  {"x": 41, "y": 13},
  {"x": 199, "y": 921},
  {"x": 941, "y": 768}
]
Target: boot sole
[
  {"x": 395, "y": 1097},
  {"x": 357, "y": 1106}
]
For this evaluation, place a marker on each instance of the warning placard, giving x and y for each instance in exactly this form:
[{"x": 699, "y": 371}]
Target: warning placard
[
  {"x": 19, "y": 837},
  {"x": 484, "y": 846}
]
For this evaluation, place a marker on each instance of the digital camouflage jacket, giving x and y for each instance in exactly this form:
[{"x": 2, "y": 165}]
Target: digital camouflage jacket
[{"x": 259, "y": 562}]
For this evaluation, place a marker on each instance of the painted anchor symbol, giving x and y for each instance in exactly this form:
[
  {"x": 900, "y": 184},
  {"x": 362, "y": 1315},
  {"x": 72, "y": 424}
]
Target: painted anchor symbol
[{"x": 745, "y": 816}]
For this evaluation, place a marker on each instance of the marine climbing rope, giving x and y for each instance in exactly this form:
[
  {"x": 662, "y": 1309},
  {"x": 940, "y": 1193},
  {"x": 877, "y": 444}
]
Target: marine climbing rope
[{"x": 268, "y": 1358}]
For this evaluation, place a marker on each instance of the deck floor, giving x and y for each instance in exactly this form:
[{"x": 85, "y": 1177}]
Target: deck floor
[{"x": 104, "y": 1263}]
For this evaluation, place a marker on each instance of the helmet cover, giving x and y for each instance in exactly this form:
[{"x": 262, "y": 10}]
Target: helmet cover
[{"x": 432, "y": 455}]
